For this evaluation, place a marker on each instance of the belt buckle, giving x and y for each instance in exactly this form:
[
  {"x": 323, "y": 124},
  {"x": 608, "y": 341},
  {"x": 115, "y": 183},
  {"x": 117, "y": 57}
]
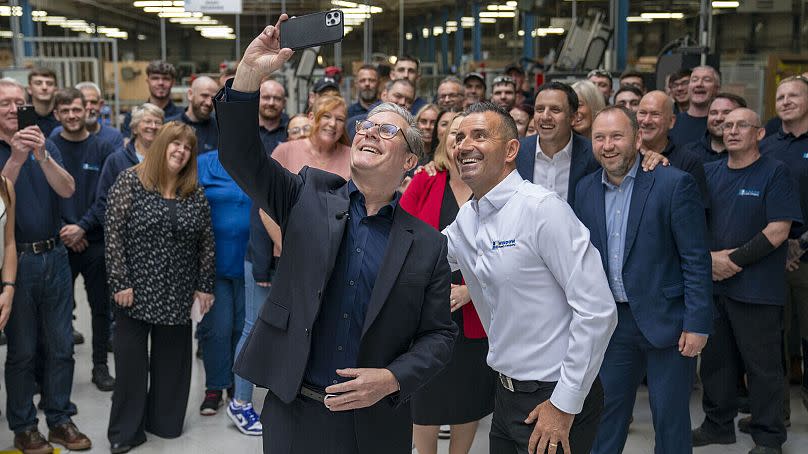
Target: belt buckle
[
  {"x": 507, "y": 383},
  {"x": 36, "y": 247}
]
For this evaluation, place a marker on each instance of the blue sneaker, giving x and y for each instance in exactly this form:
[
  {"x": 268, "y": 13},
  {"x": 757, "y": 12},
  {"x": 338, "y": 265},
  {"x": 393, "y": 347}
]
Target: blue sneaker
[{"x": 245, "y": 418}]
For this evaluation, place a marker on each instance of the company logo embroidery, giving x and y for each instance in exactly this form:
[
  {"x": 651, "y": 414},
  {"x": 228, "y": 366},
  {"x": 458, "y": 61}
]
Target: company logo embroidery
[
  {"x": 501, "y": 244},
  {"x": 749, "y": 192},
  {"x": 805, "y": 155},
  {"x": 88, "y": 166}
]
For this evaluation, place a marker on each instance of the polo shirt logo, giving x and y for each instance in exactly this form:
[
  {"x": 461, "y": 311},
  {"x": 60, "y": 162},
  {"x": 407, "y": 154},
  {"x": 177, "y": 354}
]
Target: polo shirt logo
[
  {"x": 805, "y": 155},
  {"x": 502, "y": 244},
  {"x": 88, "y": 166},
  {"x": 749, "y": 192}
]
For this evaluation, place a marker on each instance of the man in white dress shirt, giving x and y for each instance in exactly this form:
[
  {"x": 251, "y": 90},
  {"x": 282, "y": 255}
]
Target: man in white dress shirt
[{"x": 540, "y": 290}]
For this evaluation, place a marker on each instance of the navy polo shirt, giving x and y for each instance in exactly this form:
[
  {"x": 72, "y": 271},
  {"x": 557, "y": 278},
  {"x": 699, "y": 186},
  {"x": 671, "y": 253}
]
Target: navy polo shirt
[
  {"x": 47, "y": 123},
  {"x": 207, "y": 132},
  {"x": 703, "y": 149},
  {"x": 744, "y": 201},
  {"x": 774, "y": 126},
  {"x": 38, "y": 216},
  {"x": 84, "y": 161},
  {"x": 793, "y": 152},
  {"x": 338, "y": 329},
  {"x": 688, "y": 129}
]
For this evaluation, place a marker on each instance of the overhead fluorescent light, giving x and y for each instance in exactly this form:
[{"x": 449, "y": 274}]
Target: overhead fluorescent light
[
  {"x": 507, "y": 14},
  {"x": 718, "y": 4},
  {"x": 550, "y": 30},
  {"x": 663, "y": 15},
  {"x": 638, "y": 19},
  {"x": 513, "y": 3},
  {"x": 344, "y": 4},
  {"x": 153, "y": 3},
  {"x": 451, "y": 23},
  {"x": 164, "y": 9},
  {"x": 501, "y": 8},
  {"x": 488, "y": 20}
]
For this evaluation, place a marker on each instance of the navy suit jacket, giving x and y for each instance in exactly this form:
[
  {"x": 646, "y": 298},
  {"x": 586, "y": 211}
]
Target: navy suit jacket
[
  {"x": 408, "y": 327},
  {"x": 667, "y": 270},
  {"x": 582, "y": 162}
]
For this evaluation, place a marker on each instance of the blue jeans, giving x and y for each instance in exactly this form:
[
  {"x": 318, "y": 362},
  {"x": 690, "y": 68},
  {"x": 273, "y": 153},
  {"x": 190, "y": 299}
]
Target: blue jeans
[
  {"x": 254, "y": 301},
  {"x": 42, "y": 309},
  {"x": 220, "y": 331}
]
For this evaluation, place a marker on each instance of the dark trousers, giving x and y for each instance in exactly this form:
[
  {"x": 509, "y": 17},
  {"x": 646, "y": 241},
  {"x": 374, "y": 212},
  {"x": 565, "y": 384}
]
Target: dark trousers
[
  {"x": 754, "y": 331},
  {"x": 151, "y": 390},
  {"x": 306, "y": 426},
  {"x": 90, "y": 264},
  {"x": 629, "y": 358},
  {"x": 41, "y": 312},
  {"x": 510, "y": 435}
]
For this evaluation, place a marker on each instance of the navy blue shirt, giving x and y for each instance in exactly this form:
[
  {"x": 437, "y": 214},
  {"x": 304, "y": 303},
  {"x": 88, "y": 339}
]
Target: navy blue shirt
[
  {"x": 417, "y": 103},
  {"x": 105, "y": 133},
  {"x": 207, "y": 132},
  {"x": 356, "y": 109},
  {"x": 47, "y": 123},
  {"x": 171, "y": 110},
  {"x": 38, "y": 216},
  {"x": 703, "y": 149},
  {"x": 84, "y": 161},
  {"x": 744, "y": 201},
  {"x": 774, "y": 126},
  {"x": 338, "y": 329},
  {"x": 260, "y": 246},
  {"x": 690, "y": 163},
  {"x": 793, "y": 152},
  {"x": 688, "y": 129}
]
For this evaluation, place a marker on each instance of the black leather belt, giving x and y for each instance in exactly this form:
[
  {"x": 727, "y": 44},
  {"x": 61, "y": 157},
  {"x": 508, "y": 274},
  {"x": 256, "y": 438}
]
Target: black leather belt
[
  {"x": 516, "y": 386},
  {"x": 39, "y": 247},
  {"x": 312, "y": 393}
]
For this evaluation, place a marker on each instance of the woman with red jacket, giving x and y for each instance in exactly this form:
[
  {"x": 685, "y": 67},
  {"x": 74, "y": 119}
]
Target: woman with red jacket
[{"x": 463, "y": 393}]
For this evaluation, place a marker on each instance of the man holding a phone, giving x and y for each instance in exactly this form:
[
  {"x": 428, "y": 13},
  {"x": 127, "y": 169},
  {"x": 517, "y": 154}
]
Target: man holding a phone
[
  {"x": 43, "y": 294},
  {"x": 359, "y": 308}
]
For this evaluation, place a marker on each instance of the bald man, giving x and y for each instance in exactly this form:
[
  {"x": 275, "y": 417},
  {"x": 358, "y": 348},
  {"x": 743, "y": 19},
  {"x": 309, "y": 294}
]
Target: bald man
[
  {"x": 753, "y": 205},
  {"x": 656, "y": 119},
  {"x": 199, "y": 111}
]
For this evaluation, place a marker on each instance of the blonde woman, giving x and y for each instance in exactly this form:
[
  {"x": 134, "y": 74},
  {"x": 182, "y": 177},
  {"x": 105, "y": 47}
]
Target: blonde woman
[
  {"x": 590, "y": 102},
  {"x": 160, "y": 261}
]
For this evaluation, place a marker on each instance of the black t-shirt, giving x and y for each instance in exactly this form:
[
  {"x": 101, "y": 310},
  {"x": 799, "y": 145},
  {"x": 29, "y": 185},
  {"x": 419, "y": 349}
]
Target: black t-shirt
[
  {"x": 744, "y": 201},
  {"x": 84, "y": 161},
  {"x": 47, "y": 123},
  {"x": 688, "y": 129},
  {"x": 37, "y": 216}
]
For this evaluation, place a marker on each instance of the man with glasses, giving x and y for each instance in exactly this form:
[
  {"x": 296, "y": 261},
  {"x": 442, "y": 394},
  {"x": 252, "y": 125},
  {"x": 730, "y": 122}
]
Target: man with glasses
[
  {"x": 705, "y": 83},
  {"x": 160, "y": 77},
  {"x": 678, "y": 84},
  {"x": 358, "y": 318},
  {"x": 711, "y": 146},
  {"x": 790, "y": 145},
  {"x": 503, "y": 92},
  {"x": 603, "y": 80},
  {"x": 84, "y": 155},
  {"x": 752, "y": 206},
  {"x": 450, "y": 94},
  {"x": 94, "y": 102},
  {"x": 42, "y": 299}
]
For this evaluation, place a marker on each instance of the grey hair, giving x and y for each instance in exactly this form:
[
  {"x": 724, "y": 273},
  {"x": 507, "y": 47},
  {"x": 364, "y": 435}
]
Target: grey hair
[
  {"x": 450, "y": 80},
  {"x": 11, "y": 82},
  {"x": 393, "y": 82},
  {"x": 715, "y": 72},
  {"x": 90, "y": 85},
  {"x": 632, "y": 117},
  {"x": 138, "y": 112},
  {"x": 589, "y": 94},
  {"x": 411, "y": 132}
]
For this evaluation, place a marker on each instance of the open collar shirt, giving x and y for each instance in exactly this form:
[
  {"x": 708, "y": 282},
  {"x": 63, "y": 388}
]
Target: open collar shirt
[{"x": 553, "y": 173}]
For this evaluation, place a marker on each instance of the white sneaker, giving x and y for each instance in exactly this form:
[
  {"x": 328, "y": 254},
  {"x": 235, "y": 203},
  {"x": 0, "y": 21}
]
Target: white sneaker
[{"x": 246, "y": 419}]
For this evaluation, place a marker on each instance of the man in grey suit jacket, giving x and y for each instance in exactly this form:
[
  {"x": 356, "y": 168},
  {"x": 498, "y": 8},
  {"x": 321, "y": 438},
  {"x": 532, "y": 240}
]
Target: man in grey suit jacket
[{"x": 358, "y": 317}]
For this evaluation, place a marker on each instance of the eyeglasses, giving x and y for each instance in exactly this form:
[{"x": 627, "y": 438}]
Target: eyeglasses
[
  {"x": 298, "y": 129},
  {"x": 386, "y": 131},
  {"x": 599, "y": 73},
  {"x": 504, "y": 80},
  {"x": 741, "y": 125}
]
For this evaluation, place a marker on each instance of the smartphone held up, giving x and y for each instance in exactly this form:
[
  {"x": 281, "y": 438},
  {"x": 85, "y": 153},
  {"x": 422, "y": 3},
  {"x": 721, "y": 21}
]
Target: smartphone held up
[
  {"x": 26, "y": 116},
  {"x": 312, "y": 30}
]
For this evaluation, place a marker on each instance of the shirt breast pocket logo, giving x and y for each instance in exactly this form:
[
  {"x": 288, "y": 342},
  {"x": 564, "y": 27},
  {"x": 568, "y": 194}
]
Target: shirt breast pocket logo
[
  {"x": 749, "y": 193},
  {"x": 91, "y": 167},
  {"x": 495, "y": 244}
]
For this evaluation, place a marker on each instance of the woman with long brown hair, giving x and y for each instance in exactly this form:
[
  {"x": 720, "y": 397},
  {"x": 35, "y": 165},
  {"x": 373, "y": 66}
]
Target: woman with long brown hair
[{"x": 160, "y": 261}]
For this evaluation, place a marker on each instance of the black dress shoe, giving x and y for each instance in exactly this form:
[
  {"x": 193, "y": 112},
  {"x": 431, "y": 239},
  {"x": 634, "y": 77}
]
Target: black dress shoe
[
  {"x": 78, "y": 338},
  {"x": 102, "y": 379},
  {"x": 119, "y": 448},
  {"x": 745, "y": 424},
  {"x": 703, "y": 438}
]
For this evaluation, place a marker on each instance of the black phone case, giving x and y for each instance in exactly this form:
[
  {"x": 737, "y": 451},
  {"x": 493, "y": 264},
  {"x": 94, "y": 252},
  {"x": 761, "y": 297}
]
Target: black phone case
[
  {"x": 312, "y": 30},
  {"x": 26, "y": 116}
]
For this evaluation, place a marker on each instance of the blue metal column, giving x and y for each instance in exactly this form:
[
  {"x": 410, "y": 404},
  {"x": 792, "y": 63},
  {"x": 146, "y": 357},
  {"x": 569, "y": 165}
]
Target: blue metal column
[
  {"x": 528, "y": 25},
  {"x": 430, "y": 42},
  {"x": 622, "y": 34},
  {"x": 477, "y": 32},
  {"x": 444, "y": 42},
  {"x": 27, "y": 26},
  {"x": 458, "y": 44}
]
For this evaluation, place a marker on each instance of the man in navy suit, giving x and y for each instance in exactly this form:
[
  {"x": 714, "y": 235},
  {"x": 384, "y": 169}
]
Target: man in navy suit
[
  {"x": 653, "y": 244},
  {"x": 358, "y": 318},
  {"x": 556, "y": 157}
]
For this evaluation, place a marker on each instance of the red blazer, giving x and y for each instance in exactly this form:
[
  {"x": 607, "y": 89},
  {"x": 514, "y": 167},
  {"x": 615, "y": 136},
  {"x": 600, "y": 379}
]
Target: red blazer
[{"x": 423, "y": 199}]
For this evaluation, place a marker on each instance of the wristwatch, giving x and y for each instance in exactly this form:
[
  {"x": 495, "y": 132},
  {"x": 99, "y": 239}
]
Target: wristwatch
[{"x": 45, "y": 158}]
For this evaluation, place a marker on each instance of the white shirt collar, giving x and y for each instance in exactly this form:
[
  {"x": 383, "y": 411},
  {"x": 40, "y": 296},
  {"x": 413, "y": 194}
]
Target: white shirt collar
[
  {"x": 564, "y": 153},
  {"x": 498, "y": 196}
]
